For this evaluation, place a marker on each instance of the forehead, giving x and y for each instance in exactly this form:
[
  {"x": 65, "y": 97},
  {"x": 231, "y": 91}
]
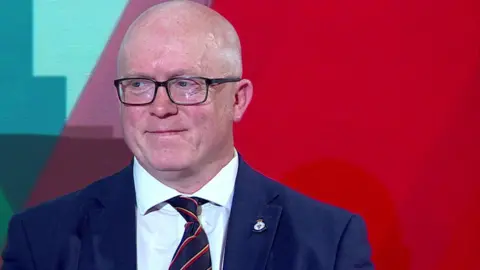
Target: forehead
[{"x": 161, "y": 53}]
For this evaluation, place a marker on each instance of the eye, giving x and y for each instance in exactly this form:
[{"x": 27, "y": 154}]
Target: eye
[
  {"x": 185, "y": 84},
  {"x": 135, "y": 83}
]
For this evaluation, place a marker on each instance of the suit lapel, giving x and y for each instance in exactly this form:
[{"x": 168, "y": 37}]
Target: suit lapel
[
  {"x": 253, "y": 222},
  {"x": 108, "y": 240}
]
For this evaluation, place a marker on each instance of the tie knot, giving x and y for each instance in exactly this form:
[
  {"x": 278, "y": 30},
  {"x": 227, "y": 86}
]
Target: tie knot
[{"x": 188, "y": 207}]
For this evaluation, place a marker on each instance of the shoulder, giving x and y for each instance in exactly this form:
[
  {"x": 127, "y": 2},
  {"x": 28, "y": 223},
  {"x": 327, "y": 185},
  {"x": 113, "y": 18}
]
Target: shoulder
[
  {"x": 64, "y": 207},
  {"x": 319, "y": 224},
  {"x": 293, "y": 199},
  {"x": 304, "y": 212},
  {"x": 41, "y": 227},
  {"x": 323, "y": 229}
]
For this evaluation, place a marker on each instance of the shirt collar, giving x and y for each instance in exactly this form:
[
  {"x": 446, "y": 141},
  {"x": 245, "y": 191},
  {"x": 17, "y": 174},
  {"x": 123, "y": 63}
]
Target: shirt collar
[{"x": 151, "y": 192}]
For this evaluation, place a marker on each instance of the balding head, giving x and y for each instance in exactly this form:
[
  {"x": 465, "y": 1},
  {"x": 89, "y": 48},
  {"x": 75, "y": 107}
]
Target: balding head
[
  {"x": 192, "y": 27},
  {"x": 182, "y": 132}
]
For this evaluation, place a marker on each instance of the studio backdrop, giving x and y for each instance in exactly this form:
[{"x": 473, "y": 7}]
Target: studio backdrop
[{"x": 370, "y": 105}]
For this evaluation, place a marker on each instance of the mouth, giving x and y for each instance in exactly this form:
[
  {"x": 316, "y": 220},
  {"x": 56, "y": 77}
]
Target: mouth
[{"x": 166, "y": 132}]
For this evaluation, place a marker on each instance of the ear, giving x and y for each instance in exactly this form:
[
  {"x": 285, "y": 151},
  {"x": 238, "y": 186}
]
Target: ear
[{"x": 243, "y": 96}]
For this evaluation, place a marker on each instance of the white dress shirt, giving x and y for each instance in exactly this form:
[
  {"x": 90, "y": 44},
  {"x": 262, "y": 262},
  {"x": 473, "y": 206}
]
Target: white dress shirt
[{"x": 159, "y": 231}]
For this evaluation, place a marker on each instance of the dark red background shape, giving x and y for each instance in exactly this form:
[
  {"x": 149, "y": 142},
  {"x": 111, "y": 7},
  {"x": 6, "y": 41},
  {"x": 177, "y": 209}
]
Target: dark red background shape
[{"x": 369, "y": 105}]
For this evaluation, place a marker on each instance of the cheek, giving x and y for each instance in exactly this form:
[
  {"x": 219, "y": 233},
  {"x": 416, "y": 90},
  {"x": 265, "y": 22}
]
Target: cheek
[
  {"x": 204, "y": 123},
  {"x": 132, "y": 119},
  {"x": 218, "y": 120},
  {"x": 201, "y": 121}
]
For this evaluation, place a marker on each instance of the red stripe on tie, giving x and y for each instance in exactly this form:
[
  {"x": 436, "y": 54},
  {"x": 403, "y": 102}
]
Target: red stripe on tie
[
  {"x": 194, "y": 201},
  {"x": 184, "y": 244},
  {"x": 187, "y": 212},
  {"x": 195, "y": 258}
]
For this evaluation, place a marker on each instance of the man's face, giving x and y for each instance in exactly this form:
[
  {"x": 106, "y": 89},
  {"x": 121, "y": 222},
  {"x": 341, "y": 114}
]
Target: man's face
[{"x": 200, "y": 133}]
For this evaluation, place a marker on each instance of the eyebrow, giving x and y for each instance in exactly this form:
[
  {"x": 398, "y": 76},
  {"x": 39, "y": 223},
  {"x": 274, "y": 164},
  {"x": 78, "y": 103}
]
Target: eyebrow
[
  {"x": 137, "y": 75},
  {"x": 176, "y": 73}
]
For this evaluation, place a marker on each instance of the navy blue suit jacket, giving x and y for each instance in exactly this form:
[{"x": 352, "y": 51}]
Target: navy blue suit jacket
[{"x": 94, "y": 229}]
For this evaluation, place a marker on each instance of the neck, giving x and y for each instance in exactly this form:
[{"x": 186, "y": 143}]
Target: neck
[{"x": 192, "y": 180}]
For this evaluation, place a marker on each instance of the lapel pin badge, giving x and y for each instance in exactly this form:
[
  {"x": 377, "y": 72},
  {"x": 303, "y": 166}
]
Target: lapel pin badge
[{"x": 259, "y": 226}]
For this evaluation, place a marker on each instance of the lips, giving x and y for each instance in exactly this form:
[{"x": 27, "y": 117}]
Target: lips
[{"x": 166, "y": 131}]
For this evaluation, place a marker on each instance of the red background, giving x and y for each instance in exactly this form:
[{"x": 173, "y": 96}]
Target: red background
[{"x": 373, "y": 106}]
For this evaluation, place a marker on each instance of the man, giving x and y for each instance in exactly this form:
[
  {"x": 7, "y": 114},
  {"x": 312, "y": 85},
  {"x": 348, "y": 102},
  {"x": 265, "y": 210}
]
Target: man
[{"x": 188, "y": 200}]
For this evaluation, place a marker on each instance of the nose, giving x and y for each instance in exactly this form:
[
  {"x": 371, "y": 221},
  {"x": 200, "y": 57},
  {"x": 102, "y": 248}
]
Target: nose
[{"x": 162, "y": 106}]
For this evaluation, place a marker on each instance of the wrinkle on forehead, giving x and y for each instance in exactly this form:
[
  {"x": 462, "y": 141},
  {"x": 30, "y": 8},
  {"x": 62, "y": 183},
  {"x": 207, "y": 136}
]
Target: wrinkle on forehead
[{"x": 183, "y": 25}]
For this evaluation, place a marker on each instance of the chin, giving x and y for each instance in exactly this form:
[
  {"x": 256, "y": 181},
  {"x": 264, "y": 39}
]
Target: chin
[{"x": 170, "y": 159}]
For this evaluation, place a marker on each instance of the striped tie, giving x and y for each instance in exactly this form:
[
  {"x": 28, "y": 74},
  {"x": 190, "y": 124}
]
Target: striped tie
[{"x": 193, "y": 252}]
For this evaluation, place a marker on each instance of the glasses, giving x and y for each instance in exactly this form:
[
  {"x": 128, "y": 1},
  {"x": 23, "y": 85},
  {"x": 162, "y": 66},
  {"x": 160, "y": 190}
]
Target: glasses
[{"x": 180, "y": 90}]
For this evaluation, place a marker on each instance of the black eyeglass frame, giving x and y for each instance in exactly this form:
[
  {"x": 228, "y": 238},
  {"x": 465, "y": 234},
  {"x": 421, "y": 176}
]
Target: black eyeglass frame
[{"x": 208, "y": 82}]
